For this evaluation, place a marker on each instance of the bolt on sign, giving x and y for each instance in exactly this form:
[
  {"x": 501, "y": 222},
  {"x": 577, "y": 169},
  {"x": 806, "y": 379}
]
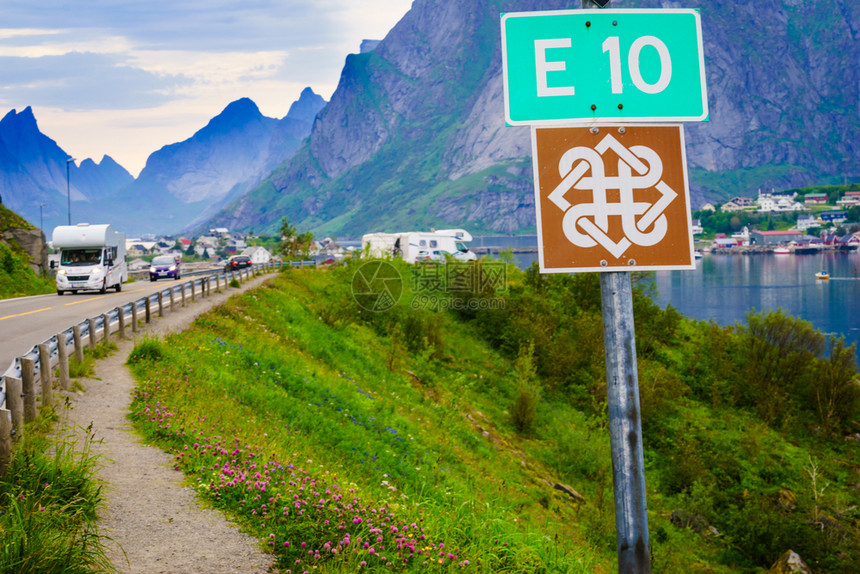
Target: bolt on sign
[{"x": 612, "y": 198}]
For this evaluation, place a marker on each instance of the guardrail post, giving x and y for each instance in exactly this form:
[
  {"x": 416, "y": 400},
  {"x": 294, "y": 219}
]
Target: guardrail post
[
  {"x": 79, "y": 343},
  {"x": 182, "y": 290},
  {"x": 172, "y": 301},
  {"x": 218, "y": 281},
  {"x": 121, "y": 317},
  {"x": 5, "y": 440},
  {"x": 160, "y": 304},
  {"x": 91, "y": 323},
  {"x": 148, "y": 305},
  {"x": 192, "y": 290},
  {"x": 28, "y": 384},
  {"x": 106, "y": 336},
  {"x": 15, "y": 403},
  {"x": 209, "y": 286},
  {"x": 134, "y": 316},
  {"x": 63, "y": 359},
  {"x": 45, "y": 374}
]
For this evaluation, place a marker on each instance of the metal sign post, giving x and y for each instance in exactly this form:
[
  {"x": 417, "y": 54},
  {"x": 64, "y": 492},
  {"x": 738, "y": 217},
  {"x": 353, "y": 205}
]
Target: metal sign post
[
  {"x": 625, "y": 422},
  {"x": 625, "y": 427}
]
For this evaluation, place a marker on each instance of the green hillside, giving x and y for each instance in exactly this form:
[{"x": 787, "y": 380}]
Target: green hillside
[
  {"x": 17, "y": 279},
  {"x": 355, "y": 428}
]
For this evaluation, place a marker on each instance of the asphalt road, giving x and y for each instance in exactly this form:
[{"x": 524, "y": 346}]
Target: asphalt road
[{"x": 28, "y": 321}]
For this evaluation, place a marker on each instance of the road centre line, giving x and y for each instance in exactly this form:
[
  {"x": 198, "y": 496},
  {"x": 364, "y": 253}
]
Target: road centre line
[
  {"x": 27, "y": 313},
  {"x": 85, "y": 300}
]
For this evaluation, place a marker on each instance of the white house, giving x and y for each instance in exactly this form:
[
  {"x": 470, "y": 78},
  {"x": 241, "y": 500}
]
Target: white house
[
  {"x": 766, "y": 202},
  {"x": 772, "y": 202},
  {"x": 805, "y": 221},
  {"x": 259, "y": 255},
  {"x": 787, "y": 204},
  {"x": 742, "y": 237},
  {"x": 697, "y": 228},
  {"x": 850, "y": 199}
]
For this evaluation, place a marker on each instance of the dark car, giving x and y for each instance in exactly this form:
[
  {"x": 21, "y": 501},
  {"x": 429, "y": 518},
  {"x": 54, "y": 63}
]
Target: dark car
[
  {"x": 164, "y": 266},
  {"x": 237, "y": 262}
]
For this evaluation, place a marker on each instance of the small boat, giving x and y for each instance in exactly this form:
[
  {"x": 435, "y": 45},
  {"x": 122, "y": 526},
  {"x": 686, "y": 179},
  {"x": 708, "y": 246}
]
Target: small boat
[
  {"x": 822, "y": 275},
  {"x": 697, "y": 254},
  {"x": 781, "y": 251}
]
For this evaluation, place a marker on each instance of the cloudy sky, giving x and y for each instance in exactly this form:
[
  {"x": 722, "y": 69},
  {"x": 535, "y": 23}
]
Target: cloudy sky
[{"x": 127, "y": 77}]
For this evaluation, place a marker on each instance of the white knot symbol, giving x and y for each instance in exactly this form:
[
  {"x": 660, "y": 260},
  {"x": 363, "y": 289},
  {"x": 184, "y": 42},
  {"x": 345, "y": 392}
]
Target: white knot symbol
[{"x": 593, "y": 218}]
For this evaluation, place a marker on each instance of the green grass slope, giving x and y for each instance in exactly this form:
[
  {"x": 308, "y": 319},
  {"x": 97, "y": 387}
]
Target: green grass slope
[
  {"x": 419, "y": 439},
  {"x": 17, "y": 279}
]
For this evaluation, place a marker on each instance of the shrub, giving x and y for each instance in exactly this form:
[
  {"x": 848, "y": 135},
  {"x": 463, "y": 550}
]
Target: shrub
[
  {"x": 524, "y": 411},
  {"x": 146, "y": 350}
]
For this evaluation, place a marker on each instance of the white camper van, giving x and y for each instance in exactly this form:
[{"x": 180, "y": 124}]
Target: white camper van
[
  {"x": 92, "y": 257},
  {"x": 415, "y": 246}
]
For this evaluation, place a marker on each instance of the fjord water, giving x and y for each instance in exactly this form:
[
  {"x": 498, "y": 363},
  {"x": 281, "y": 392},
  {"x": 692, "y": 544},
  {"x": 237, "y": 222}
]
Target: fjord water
[{"x": 724, "y": 288}]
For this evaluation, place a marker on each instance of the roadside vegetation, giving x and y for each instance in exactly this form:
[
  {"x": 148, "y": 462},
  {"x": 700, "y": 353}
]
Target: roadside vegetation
[
  {"x": 17, "y": 279},
  {"x": 50, "y": 496},
  {"x": 413, "y": 438}
]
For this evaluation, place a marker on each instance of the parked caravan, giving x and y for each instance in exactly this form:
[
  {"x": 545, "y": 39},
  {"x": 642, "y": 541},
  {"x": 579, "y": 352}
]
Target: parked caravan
[
  {"x": 413, "y": 246},
  {"x": 92, "y": 257}
]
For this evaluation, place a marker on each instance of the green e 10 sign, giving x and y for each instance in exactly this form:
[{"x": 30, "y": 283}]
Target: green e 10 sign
[{"x": 603, "y": 65}]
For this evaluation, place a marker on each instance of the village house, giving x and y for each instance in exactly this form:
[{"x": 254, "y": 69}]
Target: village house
[
  {"x": 833, "y": 217},
  {"x": 815, "y": 199},
  {"x": 738, "y": 204},
  {"x": 235, "y": 245},
  {"x": 850, "y": 199},
  {"x": 770, "y": 238},
  {"x": 259, "y": 255},
  {"x": 138, "y": 247},
  {"x": 778, "y": 202},
  {"x": 743, "y": 236},
  {"x": 805, "y": 221}
]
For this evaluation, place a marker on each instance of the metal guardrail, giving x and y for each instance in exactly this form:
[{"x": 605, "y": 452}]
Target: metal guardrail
[{"x": 198, "y": 279}]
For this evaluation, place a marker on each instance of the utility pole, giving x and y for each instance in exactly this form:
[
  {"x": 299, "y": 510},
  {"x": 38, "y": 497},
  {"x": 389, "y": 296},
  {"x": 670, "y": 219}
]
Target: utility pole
[{"x": 69, "y": 188}]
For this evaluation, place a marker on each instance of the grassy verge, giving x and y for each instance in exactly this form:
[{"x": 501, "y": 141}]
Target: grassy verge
[
  {"x": 50, "y": 496},
  {"x": 344, "y": 450},
  {"x": 48, "y": 503},
  {"x": 416, "y": 440}
]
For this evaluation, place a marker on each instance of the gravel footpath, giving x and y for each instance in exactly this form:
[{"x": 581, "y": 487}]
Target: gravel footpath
[{"x": 156, "y": 522}]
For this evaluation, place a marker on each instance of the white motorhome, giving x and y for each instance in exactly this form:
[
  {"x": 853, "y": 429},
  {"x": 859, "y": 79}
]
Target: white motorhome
[
  {"x": 92, "y": 257},
  {"x": 415, "y": 246}
]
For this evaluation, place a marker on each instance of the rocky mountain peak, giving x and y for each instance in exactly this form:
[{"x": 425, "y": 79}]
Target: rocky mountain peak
[
  {"x": 237, "y": 114},
  {"x": 368, "y": 46},
  {"x": 306, "y": 107}
]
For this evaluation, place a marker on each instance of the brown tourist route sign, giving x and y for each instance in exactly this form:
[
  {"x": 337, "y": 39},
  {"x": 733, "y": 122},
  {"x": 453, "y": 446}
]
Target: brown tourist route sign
[{"x": 612, "y": 198}]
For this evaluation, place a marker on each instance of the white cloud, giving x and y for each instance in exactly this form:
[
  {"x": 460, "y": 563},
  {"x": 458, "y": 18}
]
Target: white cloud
[{"x": 126, "y": 78}]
